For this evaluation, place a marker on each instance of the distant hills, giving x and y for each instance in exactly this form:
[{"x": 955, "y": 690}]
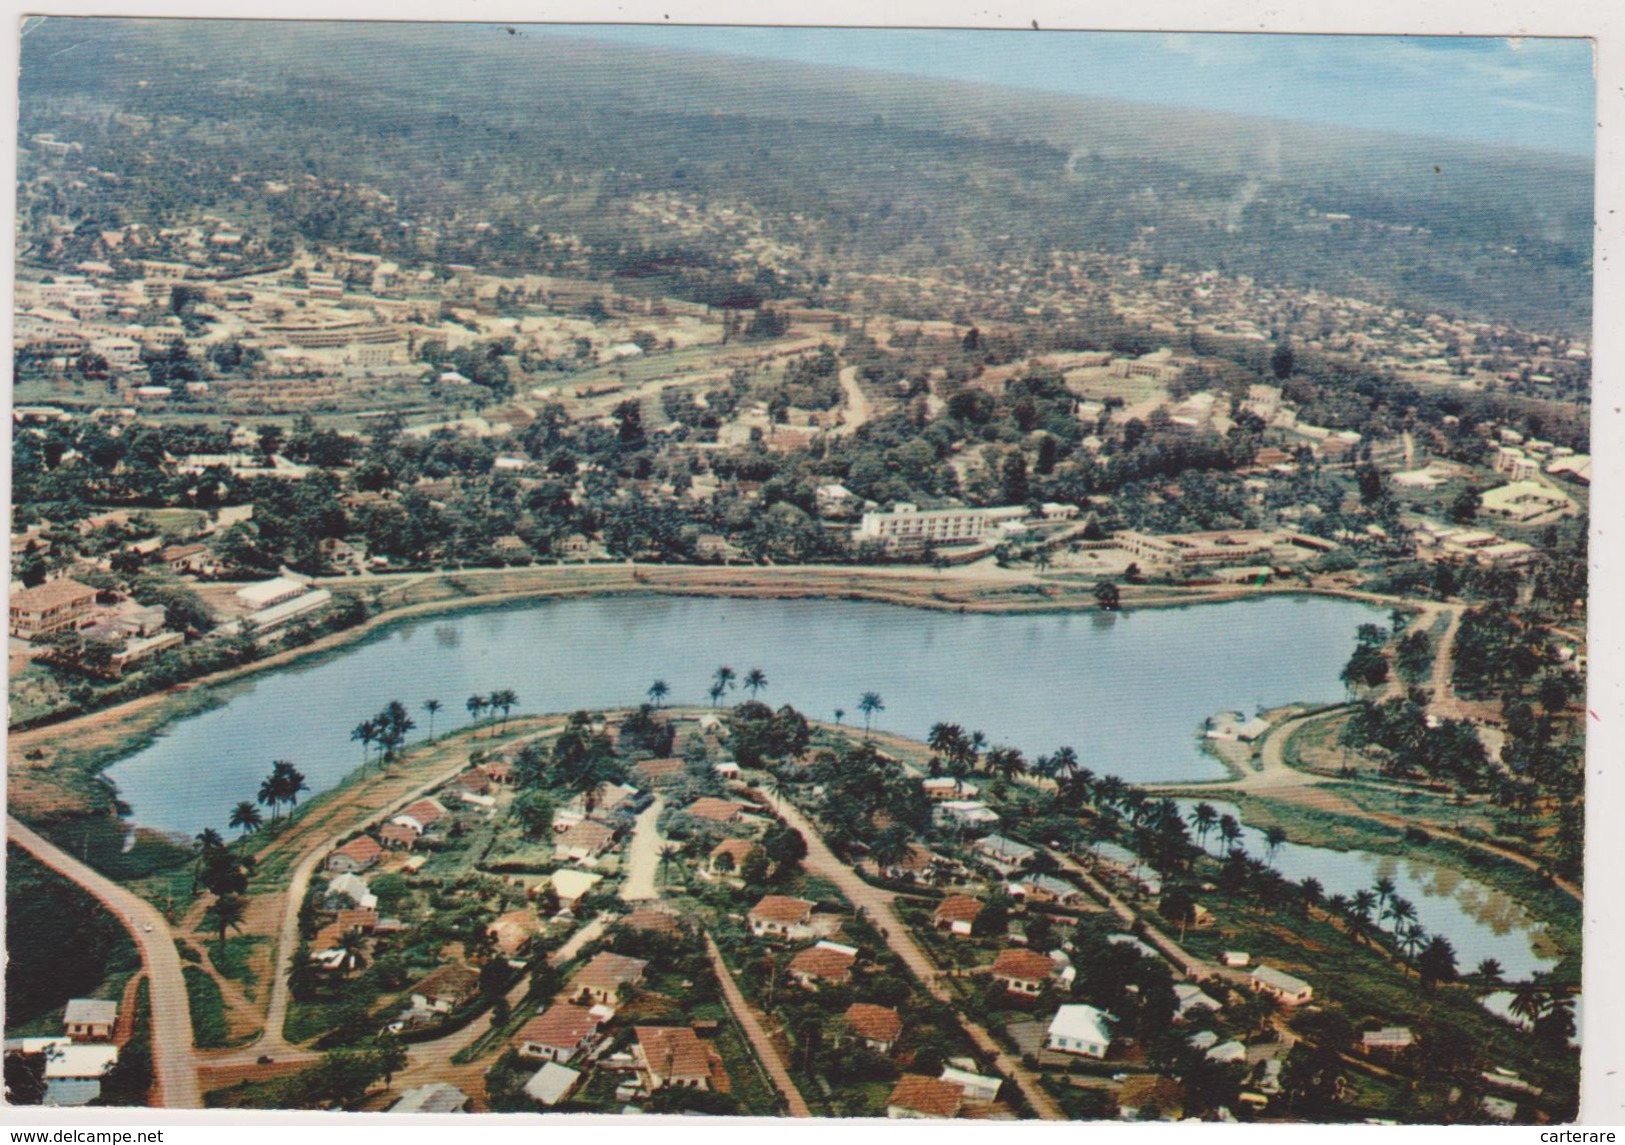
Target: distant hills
[{"x": 1507, "y": 232}]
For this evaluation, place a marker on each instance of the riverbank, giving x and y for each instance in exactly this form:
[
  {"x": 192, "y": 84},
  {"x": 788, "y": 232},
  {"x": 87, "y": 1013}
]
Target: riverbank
[{"x": 54, "y": 769}]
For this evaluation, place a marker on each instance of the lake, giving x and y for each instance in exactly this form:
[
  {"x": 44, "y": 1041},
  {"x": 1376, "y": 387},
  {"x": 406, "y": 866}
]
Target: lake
[
  {"x": 1128, "y": 691},
  {"x": 1480, "y": 921}
]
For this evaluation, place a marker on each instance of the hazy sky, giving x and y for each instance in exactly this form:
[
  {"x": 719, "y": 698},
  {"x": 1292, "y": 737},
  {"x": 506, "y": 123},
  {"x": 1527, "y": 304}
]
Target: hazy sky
[{"x": 1529, "y": 93}]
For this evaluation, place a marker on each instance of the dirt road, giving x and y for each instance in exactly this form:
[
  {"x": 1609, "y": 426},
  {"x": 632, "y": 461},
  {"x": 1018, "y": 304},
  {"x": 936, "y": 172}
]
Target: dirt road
[
  {"x": 173, "y": 1058},
  {"x": 751, "y": 1023},
  {"x": 643, "y": 856},
  {"x": 877, "y": 904}
]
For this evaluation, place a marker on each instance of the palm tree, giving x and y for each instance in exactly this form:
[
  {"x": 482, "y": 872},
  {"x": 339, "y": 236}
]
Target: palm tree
[
  {"x": 1385, "y": 891},
  {"x": 1273, "y": 838},
  {"x": 1065, "y": 761},
  {"x": 290, "y": 781},
  {"x": 1229, "y": 831},
  {"x": 722, "y": 682},
  {"x": 1204, "y": 819},
  {"x": 1401, "y": 911},
  {"x": 225, "y": 913},
  {"x": 869, "y": 704},
  {"x": 1489, "y": 972},
  {"x": 658, "y": 691},
  {"x": 755, "y": 681},
  {"x": 1360, "y": 915},
  {"x": 208, "y": 840},
  {"x": 1530, "y": 998},
  {"x": 774, "y": 785},
  {"x": 431, "y": 706},
  {"x": 1412, "y": 939},
  {"x": 353, "y": 943},
  {"x": 670, "y": 856},
  {"x": 476, "y": 706},
  {"x": 270, "y": 794},
  {"x": 1310, "y": 892},
  {"x": 840, "y": 714},
  {"x": 504, "y": 698},
  {"x": 366, "y": 731},
  {"x": 246, "y": 817},
  {"x": 1006, "y": 761},
  {"x": 945, "y": 739}
]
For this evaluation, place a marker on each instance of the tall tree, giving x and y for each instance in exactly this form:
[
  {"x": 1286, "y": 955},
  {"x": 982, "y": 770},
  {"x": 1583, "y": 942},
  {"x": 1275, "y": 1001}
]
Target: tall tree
[
  {"x": 431, "y": 707},
  {"x": 245, "y": 817},
  {"x": 870, "y": 704}
]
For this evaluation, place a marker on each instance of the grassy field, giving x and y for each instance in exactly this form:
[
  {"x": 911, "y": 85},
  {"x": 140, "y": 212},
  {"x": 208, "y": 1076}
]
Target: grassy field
[
  {"x": 209, "y": 1030},
  {"x": 234, "y": 960}
]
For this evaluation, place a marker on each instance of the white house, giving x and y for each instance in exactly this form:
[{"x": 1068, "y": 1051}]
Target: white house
[
  {"x": 1079, "y": 1029},
  {"x": 552, "y": 1083},
  {"x": 976, "y": 1086},
  {"x": 1286, "y": 989}
]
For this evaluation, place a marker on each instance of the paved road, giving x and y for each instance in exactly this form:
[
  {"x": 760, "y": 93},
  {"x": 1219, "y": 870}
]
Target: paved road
[
  {"x": 643, "y": 856},
  {"x": 751, "y": 1023},
  {"x": 173, "y": 1060},
  {"x": 877, "y": 904}
]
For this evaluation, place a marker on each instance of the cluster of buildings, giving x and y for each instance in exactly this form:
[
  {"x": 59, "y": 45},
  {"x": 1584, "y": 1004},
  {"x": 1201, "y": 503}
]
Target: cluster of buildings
[{"x": 74, "y": 1064}]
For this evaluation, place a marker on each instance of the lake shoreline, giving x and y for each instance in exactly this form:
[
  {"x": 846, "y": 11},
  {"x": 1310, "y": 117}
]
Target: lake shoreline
[{"x": 79, "y": 749}]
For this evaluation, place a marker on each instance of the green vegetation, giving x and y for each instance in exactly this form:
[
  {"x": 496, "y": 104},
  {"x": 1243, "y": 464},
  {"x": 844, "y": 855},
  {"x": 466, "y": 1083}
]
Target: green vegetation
[
  {"x": 61, "y": 943},
  {"x": 209, "y": 1029}
]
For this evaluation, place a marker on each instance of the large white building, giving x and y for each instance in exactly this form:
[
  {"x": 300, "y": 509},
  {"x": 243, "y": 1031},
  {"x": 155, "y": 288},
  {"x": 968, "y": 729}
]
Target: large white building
[{"x": 910, "y": 526}]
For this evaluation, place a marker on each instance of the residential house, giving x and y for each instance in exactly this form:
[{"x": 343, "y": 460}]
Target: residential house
[
  {"x": 1390, "y": 1040},
  {"x": 1046, "y": 888},
  {"x": 354, "y": 888},
  {"x": 436, "y": 1097},
  {"x": 584, "y": 842},
  {"x": 737, "y": 851},
  {"x": 358, "y": 854},
  {"x": 55, "y": 606},
  {"x": 443, "y": 990},
  {"x": 1235, "y": 959},
  {"x": 552, "y": 1084},
  {"x": 918, "y": 862},
  {"x": 1003, "y": 853},
  {"x": 976, "y": 1087},
  {"x": 1079, "y": 1029},
  {"x": 957, "y": 914},
  {"x": 606, "y": 978},
  {"x": 675, "y": 1055},
  {"x": 1150, "y": 1096},
  {"x": 652, "y": 919},
  {"x": 878, "y": 1027},
  {"x": 73, "y": 1073},
  {"x": 655, "y": 772},
  {"x": 561, "y": 1033},
  {"x": 1286, "y": 989},
  {"x": 1022, "y": 971},
  {"x": 1191, "y": 999},
  {"x": 966, "y": 814},
  {"x": 924, "y": 1097},
  {"x": 90, "y": 1019},
  {"x": 512, "y": 931},
  {"x": 188, "y": 558},
  {"x": 823, "y": 964},
  {"x": 393, "y": 836},
  {"x": 425, "y": 813},
  {"x": 571, "y": 885},
  {"x": 779, "y": 916},
  {"x": 943, "y": 788},
  {"x": 715, "y": 810}
]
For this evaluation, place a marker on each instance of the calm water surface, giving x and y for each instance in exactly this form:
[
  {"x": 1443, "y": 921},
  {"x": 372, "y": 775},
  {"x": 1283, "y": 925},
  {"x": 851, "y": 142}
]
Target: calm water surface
[
  {"x": 1480, "y": 921},
  {"x": 1129, "y": 691}
]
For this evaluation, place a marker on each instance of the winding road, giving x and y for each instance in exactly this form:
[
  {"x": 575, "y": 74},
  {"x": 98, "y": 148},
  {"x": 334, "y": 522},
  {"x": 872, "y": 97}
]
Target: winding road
[{"x": 174, "y": 1061}]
